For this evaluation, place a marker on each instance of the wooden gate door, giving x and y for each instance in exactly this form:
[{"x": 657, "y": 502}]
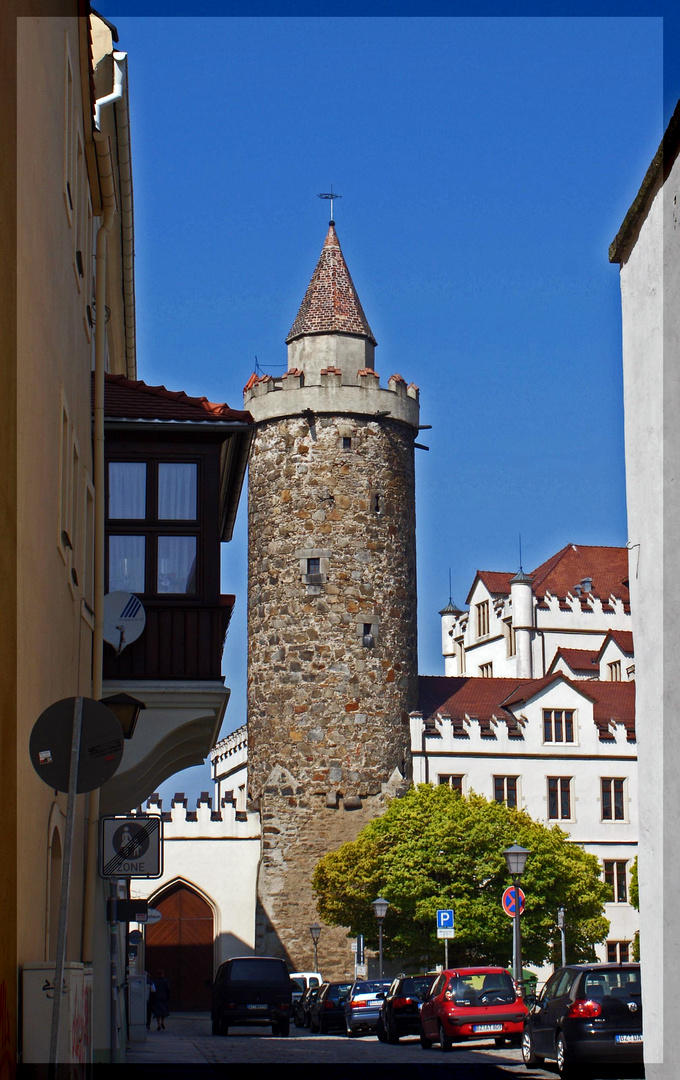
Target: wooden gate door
[{"x": 181, "y": 944}]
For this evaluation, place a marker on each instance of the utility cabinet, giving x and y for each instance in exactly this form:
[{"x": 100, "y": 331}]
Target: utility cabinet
[{"x": 75, "y": 1025}]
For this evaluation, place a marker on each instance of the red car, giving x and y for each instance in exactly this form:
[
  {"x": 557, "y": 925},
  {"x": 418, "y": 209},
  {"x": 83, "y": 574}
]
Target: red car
[{"x": 472, "y": 1003}]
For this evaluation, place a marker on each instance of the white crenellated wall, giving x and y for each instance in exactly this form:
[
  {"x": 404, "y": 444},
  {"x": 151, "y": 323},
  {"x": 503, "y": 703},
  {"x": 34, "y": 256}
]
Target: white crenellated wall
[{"x": 217, "y": 852}]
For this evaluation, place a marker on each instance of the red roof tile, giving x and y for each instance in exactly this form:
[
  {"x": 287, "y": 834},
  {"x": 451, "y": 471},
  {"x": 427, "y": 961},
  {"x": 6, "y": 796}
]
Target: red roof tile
[
  {"x": 607, "y": 566},
  {"x": 331, "y": 304},
  {"x": 624, "y": 640},
  {"x": 460, "y": 696},
  {"x": 577, "y": 660},
  {"x": 132, "y": 399}
]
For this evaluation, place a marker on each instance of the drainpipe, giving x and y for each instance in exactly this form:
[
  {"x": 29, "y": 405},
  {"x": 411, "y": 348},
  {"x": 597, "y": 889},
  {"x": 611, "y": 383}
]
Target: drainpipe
[
  {"x": 110, "y": 207},
  {"x": 127, "y": 229}
]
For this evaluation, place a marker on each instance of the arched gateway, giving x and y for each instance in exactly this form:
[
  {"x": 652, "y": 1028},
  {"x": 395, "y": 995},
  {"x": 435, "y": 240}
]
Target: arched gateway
[{"x": 181, "y": 943}]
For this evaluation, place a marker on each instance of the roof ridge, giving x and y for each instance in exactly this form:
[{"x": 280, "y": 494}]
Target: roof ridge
[{"x": 215, "y": 408}]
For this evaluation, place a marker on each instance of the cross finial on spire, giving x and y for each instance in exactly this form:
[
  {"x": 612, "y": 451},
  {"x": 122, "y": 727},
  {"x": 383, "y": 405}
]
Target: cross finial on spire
[{"x": 330, "y": 195}]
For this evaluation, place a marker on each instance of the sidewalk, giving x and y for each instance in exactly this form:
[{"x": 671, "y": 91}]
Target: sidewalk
[{"x": 164, "y": 1047}]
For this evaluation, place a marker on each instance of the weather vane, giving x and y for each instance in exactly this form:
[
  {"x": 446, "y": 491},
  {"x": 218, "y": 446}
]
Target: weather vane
[{"x": 330, "y": 195}]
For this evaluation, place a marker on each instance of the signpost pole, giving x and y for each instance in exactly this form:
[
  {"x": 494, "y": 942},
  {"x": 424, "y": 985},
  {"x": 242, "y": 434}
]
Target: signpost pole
[{"x": 65, "y": 880}]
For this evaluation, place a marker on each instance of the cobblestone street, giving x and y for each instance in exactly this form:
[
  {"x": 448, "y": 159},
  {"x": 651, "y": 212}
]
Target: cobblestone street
[{"x": 188, "y": 1040}]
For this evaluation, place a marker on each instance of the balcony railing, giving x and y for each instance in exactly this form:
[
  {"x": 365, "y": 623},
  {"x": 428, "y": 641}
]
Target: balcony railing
[{"x": 177, "y": 643}]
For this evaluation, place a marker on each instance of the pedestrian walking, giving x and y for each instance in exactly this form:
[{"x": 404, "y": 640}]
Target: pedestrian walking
[
  {"x": 150, "y": 995},
  {"x": 161, "y": 999}
]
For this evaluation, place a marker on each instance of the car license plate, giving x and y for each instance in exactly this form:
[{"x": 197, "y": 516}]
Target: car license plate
[
  {"x": 487, "y": 1027},
  {"x": 257, "y": 1006},
  {"x": 628, "y": 1038}
]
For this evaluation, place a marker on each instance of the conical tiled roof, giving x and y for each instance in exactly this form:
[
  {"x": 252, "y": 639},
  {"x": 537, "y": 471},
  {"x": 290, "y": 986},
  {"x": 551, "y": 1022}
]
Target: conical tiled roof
[{"x": 331, "y": 304}]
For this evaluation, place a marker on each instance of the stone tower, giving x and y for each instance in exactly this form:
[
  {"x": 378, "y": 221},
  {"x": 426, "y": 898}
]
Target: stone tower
[{"x": 332, "y": 660}]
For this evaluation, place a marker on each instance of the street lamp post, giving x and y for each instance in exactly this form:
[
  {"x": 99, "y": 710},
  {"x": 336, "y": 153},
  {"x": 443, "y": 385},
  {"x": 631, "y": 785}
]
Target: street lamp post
[
  {"x": 315, "y": 931},
  {"x": 380, "y": 907},
  {"x": 515, "y": 859},
  {"x": 560, "y": 924}
]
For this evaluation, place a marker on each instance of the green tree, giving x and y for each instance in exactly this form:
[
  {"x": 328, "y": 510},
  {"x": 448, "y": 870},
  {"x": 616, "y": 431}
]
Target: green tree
[
  {"x": 635, "y": 901},
  {"x": 435, "y": 849}
]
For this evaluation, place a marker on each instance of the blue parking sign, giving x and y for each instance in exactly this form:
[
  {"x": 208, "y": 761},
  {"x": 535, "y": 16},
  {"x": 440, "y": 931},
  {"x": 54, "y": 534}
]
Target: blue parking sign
[{"x": 445, "y": 919}]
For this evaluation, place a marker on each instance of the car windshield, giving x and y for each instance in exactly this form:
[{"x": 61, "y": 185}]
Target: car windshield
[
  {"x": 339, "y": 990},
  {"x": 614, "y": 982},
  {"x": 373, "y": 987},
  {"x": 297, "y": 984},
  {"x": 481, "y": 988}
]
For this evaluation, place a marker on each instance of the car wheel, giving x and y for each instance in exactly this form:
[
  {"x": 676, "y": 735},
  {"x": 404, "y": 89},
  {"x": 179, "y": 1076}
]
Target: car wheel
[
  {"x": 282, "y": 1029},
  {"x": 215, "y": 1026},
  {"x": 314, "y": 1026},
  {"x": 348, "y": 1031},
  {"x": 424, "y": 1041},
  {"x": 564, "y": 1065},
  {"x": 380, "y": 1031},
  {"x": 529, "y": 1055},
  {"x": 445, "y": 1041},
  {"x": 499, "y": 1041}
]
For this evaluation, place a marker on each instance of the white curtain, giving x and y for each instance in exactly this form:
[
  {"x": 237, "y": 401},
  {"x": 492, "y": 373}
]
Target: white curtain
[
  {"x": 126, "y": 563},
  {"x": 127, "y": 489},
  {"x": 177, "y": 491},
  {"x": 176, "y": 564}
]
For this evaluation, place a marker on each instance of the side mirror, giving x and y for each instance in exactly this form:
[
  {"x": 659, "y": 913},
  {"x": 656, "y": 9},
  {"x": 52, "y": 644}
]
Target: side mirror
[
  {"x": 209, "y": 983},
  {"x": 530, "y": 1000},
  {"x": 380, "y": 996}
]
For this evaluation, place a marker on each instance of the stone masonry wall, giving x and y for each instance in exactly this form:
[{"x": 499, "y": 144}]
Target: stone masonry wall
[{"x": 332, "y": 664}]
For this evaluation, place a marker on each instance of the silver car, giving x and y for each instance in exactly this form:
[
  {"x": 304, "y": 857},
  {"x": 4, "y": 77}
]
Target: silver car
[{"x": 363, "y": 1005}]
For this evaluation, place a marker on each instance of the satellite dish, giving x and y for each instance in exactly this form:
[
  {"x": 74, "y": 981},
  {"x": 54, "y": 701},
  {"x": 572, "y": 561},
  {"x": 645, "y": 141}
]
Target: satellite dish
[{"x": 124, "y": 619}]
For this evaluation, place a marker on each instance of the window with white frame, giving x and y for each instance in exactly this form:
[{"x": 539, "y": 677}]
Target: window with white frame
[
  {"x": 558, "y": 726},
  {"x": 486, "y": 670},
  {"x": 559, "y": 798},
  {"x": 510, "y": 640},
  {"x": 613, "y": 798},
  {"x": 615, "y": 878},
  {"x": 615, "y": 671},
  {"x": 505, "y": 789},
  {"x": 454, "y": 781}
]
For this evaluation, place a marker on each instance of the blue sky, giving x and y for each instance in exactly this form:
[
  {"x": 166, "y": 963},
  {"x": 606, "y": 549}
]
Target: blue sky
[{"x": 485, "y": 165}]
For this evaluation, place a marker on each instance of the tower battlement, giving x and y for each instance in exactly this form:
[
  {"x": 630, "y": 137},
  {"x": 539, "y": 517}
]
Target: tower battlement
[{"x": 330, "y": 392}]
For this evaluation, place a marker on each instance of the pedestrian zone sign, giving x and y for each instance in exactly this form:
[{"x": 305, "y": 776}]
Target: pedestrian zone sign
[
  {"x": 131, "y": 847},
  {"x": 445, "y": 923}
]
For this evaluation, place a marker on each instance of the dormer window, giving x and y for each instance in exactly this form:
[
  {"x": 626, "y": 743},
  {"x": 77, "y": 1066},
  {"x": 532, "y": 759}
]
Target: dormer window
[{"x": 482, "y": 618}]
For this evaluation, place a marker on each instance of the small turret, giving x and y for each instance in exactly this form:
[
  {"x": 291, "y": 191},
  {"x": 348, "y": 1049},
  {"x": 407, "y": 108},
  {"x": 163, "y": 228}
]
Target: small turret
[
  {"x": 522, "y": 596},
  {"x": 449, "y": 616}
]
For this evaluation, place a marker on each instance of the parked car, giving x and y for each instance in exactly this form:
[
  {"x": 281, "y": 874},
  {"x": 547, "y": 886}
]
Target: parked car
[
  {"x": 302, "y": 1006},
  {"x": 327, "y": 1010},
  {"x": 301, "y": 981},
  {"x": 251, "y": 990},
  {"x": 363, "y": 1005},
  {"x": 586, "y": 1014},
  {"x": 472, "y": 1003},
  {"x": 400, "y": 1011}
]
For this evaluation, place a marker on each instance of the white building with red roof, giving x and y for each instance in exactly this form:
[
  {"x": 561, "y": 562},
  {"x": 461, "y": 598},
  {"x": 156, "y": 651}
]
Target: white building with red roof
[
  {"x": 562, "y": 749},
  {"x": 516, "y": 623}
]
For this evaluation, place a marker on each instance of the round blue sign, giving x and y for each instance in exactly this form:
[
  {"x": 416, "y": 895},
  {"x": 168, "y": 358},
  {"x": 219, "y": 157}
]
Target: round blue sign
[{"x": 508, "y": 901}]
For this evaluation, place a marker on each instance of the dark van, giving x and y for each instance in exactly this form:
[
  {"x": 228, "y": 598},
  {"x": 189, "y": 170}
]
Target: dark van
[{"x": 252, "y": 990}]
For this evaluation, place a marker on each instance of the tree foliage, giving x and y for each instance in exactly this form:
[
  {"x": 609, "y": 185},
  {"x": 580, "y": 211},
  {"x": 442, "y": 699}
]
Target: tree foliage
[{"x": 436, "y": 849}]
